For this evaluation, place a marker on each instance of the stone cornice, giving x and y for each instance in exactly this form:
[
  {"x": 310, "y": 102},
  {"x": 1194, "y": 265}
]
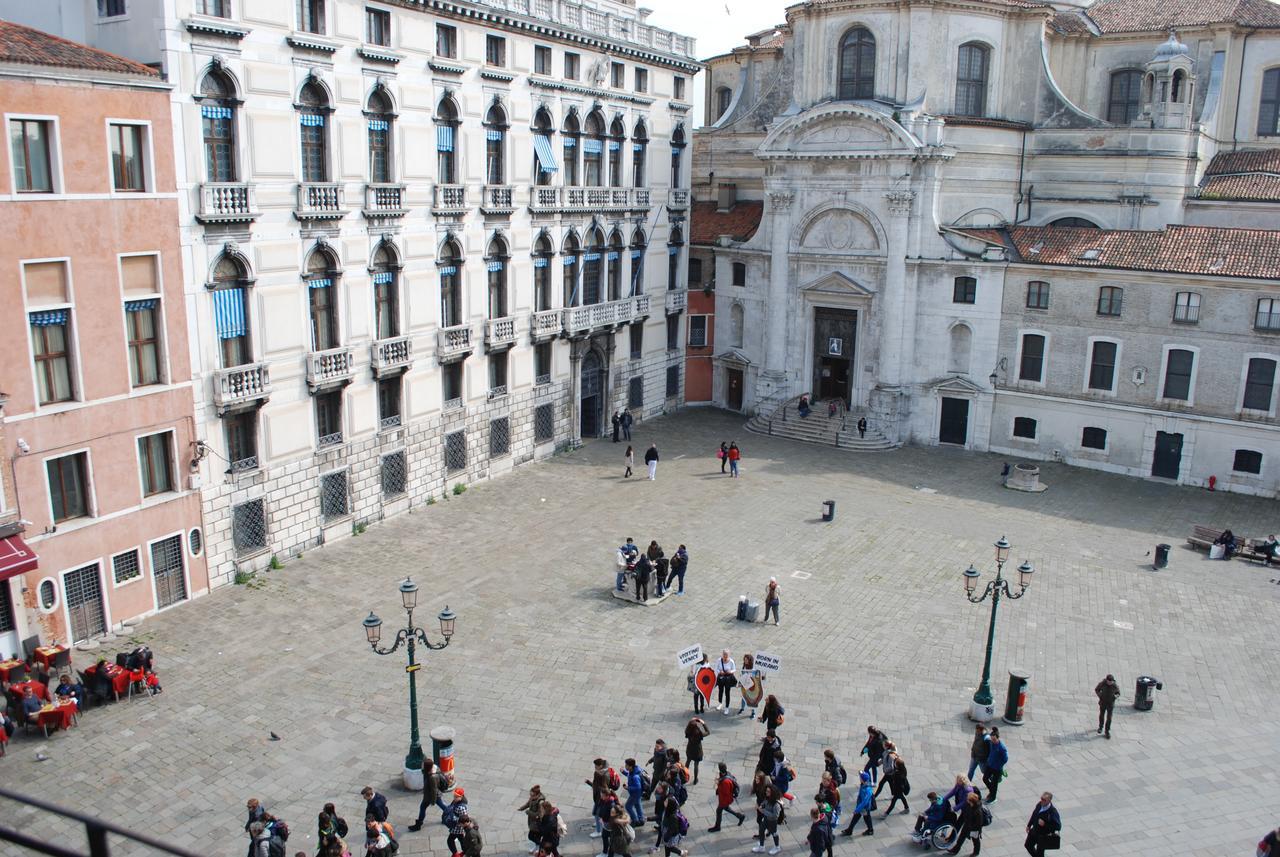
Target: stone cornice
[
  {"x": 603, "y": 94},
  {"x": 495, "y": 74},
  {"x": 310, "y": 42},
  {"x": 446, "y": 67},
  {"x": 215, "y": 27},
  {"x": 379, "y": 54},
  {"x": 926, "y": 154}
]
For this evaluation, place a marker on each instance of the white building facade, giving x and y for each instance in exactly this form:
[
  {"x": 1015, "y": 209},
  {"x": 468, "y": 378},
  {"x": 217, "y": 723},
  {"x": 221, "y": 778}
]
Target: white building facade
[
  {"x": 922, "y": 167},
  {"x": 425, "y": 241}
]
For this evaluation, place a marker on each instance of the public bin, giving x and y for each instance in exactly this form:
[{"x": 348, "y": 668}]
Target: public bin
[
  {"x": 828, "y": 510},
  {"x": 442, "y": 751},
  {"x": 1162, "y": 557},
  {"x": 1144, "y": 695},
  {"x": 1016, "y": 701}
]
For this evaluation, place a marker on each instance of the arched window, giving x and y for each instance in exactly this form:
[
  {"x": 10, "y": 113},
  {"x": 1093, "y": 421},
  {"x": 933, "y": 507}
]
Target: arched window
[
  {"x": 674, "y": 245},
  {"x": 231, "y": 283},
  {"x": 614, "y": 258},
  {"x": 638, "y": 246},
  {"x": 571, "y": 133},
  {"x": 593, "y": 150},
  {"x": 313, "y": 111},
  {"x": 617, "y": 136},
  {"x": 677, "y": 154},
  {"x": 1269, "y": 104},
  {"x": 449, "y": 265},
  {"x": 639, "y": 148},
  {"x": 971, "y": 80},
  {"x": 447, "y": 142},
  {"x": 495, "y": 134},
  {"x": 544, "y": 157},
  {"x": 961, "y": 343},
  {"x": 570, "y": 262},
  {"x": 1179, "y": 88},
  {"x": 592, "y": 267},
  {"x": 1074, "y": 221},
  {"x": 496, "y": 259},
  {"x": 320, "y": 279},
  {"x": 735, "y": 325},
  {"x": 386, "y": 291},
  {"x": 218, "y": 124},
  {"x": 724, "y": 97},
  {"x": 858, "y": 64},
  {"x": 543, "y": 253},
  {"x": 380, "y": 121},
  {"x": 1125, "y": 99}
]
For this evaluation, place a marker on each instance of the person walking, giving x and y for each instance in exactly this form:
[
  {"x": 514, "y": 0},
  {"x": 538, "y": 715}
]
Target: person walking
[
  {"x": 833, "y": 766},
  {"x": 628, "y": 459},
  {"x": 874, "y": 751},
  {"x": 1107, "y": 692},
  {"x": 771, "y": 714},
  {"x": 699, "y": 701},
  {"x": 783, "y": 775},
  {"x": 532, "y": 809},
  {"x": 828, "y": 796},
  {"x": 621, "y": 835},
  {"x": 1269, "y": 845},
  {"x": 970, "y": 826},
  {"x": 673, "y": 829},
  {"x": 899, "y": 785},
  {"x": 679, "y": 565},
  {"x": 770, "y": 746},
  {"x": 375, "y": 804},
  {"x": 886, "y": 766},
  {"x": 819, "y": 837},
  {"x": 472, "y": 841},
  {"x": 659, "y": 762},
  {"x": 635, "y": 792},
  {"x": 626, "y": 419},
  {"x": 768, "y": 813},
  {"x": 616, "y": 421},
  {"x": 862, "y": 427},
  {"x": 1043, "y": 827},
  {"x": 772, "y": 600},
  {"x": 993, "y": 771},
  {"x": 862, "y": 809},
  {"x": 694, "y": 731},
  {"x": 433, "y": 783},
  {"x": 550, "y": 829},
  {"x": 723, "y": 454},
  {"x": 977, "y": 750},
  {"x": 726, "y": 680},
  {"x": 747, "y": 683},
  {"x": 726, "y": 794},
  {"x": 454, "y": 819},
  {"x": 651, "y": 461},
  {"x": 599, "y": 783}
]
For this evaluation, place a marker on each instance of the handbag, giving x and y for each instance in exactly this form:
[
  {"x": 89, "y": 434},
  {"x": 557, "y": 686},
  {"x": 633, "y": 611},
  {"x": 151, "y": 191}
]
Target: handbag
[{"x": 1051, "y": 841}]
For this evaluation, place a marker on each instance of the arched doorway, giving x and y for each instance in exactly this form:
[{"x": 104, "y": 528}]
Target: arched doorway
[{"x": 592, "y": 402}]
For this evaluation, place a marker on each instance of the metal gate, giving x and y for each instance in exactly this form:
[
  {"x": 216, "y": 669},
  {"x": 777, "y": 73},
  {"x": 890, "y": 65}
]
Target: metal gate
[
  {"x": 83, "y": 589},
  {"x": 166, "y": 565}
]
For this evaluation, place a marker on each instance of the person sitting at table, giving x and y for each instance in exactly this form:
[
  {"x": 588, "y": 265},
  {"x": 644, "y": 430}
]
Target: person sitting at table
[
  {"x": 31, "y": 703},
  {"x": 6, "y": 723},
  {"x": 100, "y": 685},
  {"x": 139, "y": 659},
  {"x": 74, "y": 690}
]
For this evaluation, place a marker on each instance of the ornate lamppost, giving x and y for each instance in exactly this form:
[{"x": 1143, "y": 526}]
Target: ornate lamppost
[
  {"x": 411, "y": 637},
  {"x": 982, "y": 709}
]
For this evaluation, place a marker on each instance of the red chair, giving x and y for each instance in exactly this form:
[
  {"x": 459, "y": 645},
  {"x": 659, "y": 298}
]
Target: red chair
[{"x": 138, "y": 679}]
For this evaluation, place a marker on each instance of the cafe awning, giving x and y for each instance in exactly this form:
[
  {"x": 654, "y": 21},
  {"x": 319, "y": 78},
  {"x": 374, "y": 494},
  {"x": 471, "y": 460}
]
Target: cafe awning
[{"x": 16, "y": 557}]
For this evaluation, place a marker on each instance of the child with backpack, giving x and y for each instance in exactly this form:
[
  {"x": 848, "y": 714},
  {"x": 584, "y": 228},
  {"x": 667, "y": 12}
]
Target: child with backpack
[{"x": 726, "y": 794}]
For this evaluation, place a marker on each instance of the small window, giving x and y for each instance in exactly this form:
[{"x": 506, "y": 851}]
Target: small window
[
  {"x": 1102, "y": 366},
  {"x": 142, "y": 323},
  {"x": 1031, "y": 367},
  {"x": 1247, "y": 461},
  {"x": 31, "y": 143},
  {"x": 1269, "y": 104},
  {"x": 673, "y": 381},
  {"x": 1093, "y": 438},
  {"x": 498, "y": 374},
  {"x": 1125, "y": 100},
  {"x": 451, "y": 383},
  {"x": 724, "y": 97},
  {"x": 695, "y": 271},
  {"x": 1268, "y": 317},
  {"x": 971, "y": 80},
  {"x": 127, "y": 158},
  {"x": 495, "y": 50},
  {"x": 214, "y": 8},
  {"x": 51, "y": 348},
  {"x": 1037, "y": 294},
  {"x": 542, "y": 363},
  {"x": 1177, "y": 374},
  {"x": 155, "y": 460},
  {"x": 447, "y": 41},
  {"x": 48, "y": 595},
  {"x": 698, "y": 331},
  {"x": 637, "y": 340},
  {"x": 618, "y": 75},
  {"x": 68, "y": 488},
  {"x": 635, "y": 393},
  {"x": 389, "y": 392},
  {"x": 499, "y": 437},
  {"x": 311, "y": 16},
  {"x": 111, "y": 8},
  {"x": 1024, "y": 427},
  {"x": 572, "y": 64},
  {"x": 677, "y": 85},
  {"x": 1186, "y": 308},
  {"x": 965, "y": 290},
  {"x": 242, "y": 440},
  {"x": 642, "y": 80},
  {"x": 739, "y": 273},
  {"x": 378, "y": 27},
  {"x": 195, "y": 541},
  {"x": 673, "y": 333},
  {"x": 334, "y": 501},
  {"x": 1110, "y": 299},
  {"x": 329, "y": 418},
  {"x": 125, "y": 567},
  {"x": 1259, "y": 382},
  {"x": 541, "y": 59}
]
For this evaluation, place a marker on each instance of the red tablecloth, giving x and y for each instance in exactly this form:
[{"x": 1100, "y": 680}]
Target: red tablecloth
[
  {"x": 20, "y": 689},
  {"x": 58, "y": 717},
  {"x": 120, "y": 677},
  {"x": 7, "y": 667},
  {"x": 46, "y": 654}
]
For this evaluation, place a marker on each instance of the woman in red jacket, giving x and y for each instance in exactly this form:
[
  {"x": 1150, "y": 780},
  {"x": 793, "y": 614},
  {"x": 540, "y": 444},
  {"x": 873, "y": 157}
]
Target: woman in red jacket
[{"x": 726, "y": 785}]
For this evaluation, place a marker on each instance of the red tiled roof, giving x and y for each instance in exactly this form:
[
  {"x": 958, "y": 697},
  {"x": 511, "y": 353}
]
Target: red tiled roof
[
  {"x": 1143, "y": 16},
  {"x": 740, "y": 222},
  {"x": 1250, "y": 175},
  {"x": 1070, "y": 23},
  {"x": 19, "y": 44},
  {"x": 1245, "y": 161}
]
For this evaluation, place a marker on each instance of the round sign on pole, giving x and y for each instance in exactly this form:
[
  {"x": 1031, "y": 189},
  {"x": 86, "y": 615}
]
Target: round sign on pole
[{"x": 705, "y": 680}]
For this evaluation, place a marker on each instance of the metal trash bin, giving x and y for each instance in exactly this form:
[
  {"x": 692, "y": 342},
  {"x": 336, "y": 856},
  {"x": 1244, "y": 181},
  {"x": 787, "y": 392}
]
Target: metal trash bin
[
  {"x": 1162, "y": 557},
  {"x": 1016, "y": 702},
  {"x": 1144, "y": 695},
  {"x": 442, "y": 751},
  {"x": 828, "y": 510}
]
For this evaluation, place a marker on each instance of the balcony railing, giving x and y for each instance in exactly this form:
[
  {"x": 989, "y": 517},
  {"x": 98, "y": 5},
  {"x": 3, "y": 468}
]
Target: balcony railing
[
  {"x": 454, "y": 341},
  {"x": 542, "y": 380},
  {"x": 227, "y": 202},
  {"x": 640, "y": 197},
  {"x": 599, "y": 316},
  {"x": 325, "y": 368},
  {"x": 497, "y": 392},
  {"x": 449, "y": 199},
  {"x": 677, "y": 300},
  {"x": 245, "y": 465},
  {"x": 240, "y": 384},
  {"x": 384, "y": 200},
  {"x": 544, "y": 198},
  {"x": 546, "y": 323},
  {"x": 388, "y": 423},
  {"x": 390, "y": 355},
  {"x": 497, "y": 198},
  {"x": 454, "y": 404},
  {"x": 328, "y": 441},
  {"x": 581, "y": 199},
  {"x": 500, "y": 332},
  {"x": 320, "y": 201},
  {"x": 678, "y": 197}
]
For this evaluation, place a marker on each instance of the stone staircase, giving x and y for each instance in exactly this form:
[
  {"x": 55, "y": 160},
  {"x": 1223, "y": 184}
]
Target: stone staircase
[{"x": 839, "y": 431}]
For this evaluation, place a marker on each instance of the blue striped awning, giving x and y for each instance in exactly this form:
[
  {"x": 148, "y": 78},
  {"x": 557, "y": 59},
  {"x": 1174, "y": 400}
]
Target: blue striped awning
[
  {"x": 673, "y": 250},
  {"x": 546, "y": 155},
  {"x": 637, "y": 254},
  {"x": 569, "y": 260},
  {"x": 570, "y": 142},
  {"x": 382, "y": 277},
  {"x": 637, "y": 147},
  {"x": 48, "y": 317},
  {"x": 493, "y": 135},
  {"x": 319, "y": 283},
  {"x": 448, "y": 270},
  {"x": 495, "y": 265},
  {"x": 379, "y": 125},
  {"x": 444, "y": 138},
  {"x": 228, "y": 313},
  {"x": 140, "y": 306},
  {"x": 592, "y": 146},
  {"x": 213, "y": 111},
  {"x": 591, "y": 257},
  {"x": 613, "y": 256},
  {"x": 541, "y": 261},
  {"x": 614, "y": 146},
  {"x": 311, "y": 119}
]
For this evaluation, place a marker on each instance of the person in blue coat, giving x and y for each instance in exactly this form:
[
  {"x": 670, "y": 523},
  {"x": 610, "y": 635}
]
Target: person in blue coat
[
  {"x": 1043, "y": 824},
  {"x": 862, "y": 808},
  {"x": 937, "y": 814},
  {"x": 993, "y": 770},
  {"x": 635, "y": 793}
]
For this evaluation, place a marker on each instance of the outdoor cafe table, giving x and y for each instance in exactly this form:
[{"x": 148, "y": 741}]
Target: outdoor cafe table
[
  {"x": 60, "y": 716},
  {"x": 46, "y": 654},
  {"x": 18, "y": 690}
]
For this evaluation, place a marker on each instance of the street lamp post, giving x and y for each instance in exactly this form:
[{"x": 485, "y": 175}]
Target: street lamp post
[
  {"x": 982, "y": 709},
  {"x": 411, "y": 637}
]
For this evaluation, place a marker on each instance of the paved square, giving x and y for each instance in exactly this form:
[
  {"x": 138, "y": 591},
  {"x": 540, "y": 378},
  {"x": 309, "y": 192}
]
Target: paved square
[{"x": 548, "y": 671}]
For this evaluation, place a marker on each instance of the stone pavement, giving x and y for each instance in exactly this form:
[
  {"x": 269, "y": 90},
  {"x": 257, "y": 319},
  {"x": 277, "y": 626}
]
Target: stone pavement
[{"x": 547, "y": 671}]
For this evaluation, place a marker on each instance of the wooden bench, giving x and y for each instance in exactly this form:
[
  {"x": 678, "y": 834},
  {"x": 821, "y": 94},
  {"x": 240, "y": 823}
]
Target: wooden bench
[
  {"x": 1251, "y": 551},
  {"x": 1203, "y": 537}
]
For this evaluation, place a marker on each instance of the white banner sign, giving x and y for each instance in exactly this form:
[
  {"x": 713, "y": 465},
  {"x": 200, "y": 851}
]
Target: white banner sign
[
  {"x": 768, "y": 663},
  {"x": 690, "y": 656}
]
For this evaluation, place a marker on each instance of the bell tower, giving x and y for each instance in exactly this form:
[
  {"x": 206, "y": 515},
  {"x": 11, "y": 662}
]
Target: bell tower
[{"x": 1169, "y": 86}]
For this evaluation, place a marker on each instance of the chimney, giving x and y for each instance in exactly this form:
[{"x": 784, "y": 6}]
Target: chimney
[{"x": 727, "y": 197}]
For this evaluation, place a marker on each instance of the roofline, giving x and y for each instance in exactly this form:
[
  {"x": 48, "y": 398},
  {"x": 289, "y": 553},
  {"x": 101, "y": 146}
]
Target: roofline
[
  {"x": 1155, "y": 272},
  {"x": 78, "y": 74}
]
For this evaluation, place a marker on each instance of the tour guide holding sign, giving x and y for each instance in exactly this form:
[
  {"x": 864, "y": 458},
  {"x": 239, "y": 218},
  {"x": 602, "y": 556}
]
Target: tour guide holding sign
[{"x": 726, "y": 680}]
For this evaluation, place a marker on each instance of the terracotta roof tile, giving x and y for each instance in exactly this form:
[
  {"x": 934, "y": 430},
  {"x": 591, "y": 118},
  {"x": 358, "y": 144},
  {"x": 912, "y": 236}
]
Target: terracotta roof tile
[
  {"x": 740, "y": 222},
  {"x": 19, "y": 44},
  {"x": 1251, "y": 187},
  {"x": 1245, "y": 161},
  {"x": 1070, "y": 23},
  {"x": 1143, "y": 16}
]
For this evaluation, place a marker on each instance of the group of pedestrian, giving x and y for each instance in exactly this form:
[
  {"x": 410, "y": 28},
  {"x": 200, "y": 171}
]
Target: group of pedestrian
[
  {"x": 622, "y": 422},
  {"x": 729, "y": 454},
  {"x": 617, "y": 821},
  {"x": 651, "y": 565},
  {"x": 750, "y": 683},
  {"x": 650, "y": 461}
]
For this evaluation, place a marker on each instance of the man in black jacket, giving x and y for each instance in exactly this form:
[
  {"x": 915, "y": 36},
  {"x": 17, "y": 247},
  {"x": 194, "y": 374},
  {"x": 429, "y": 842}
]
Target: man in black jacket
[
  {"x": 651, "y": 461},
  {"x": 1108, "y": 692},
  {"x": 375, "y": 804},
  {"x": 643, "y": 571},
  {"x": 1043, "y": 826},
  {"x": 432, "y": 783}
]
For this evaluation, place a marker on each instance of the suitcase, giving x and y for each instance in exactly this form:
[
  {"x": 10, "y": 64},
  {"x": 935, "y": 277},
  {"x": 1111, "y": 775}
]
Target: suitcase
[{"x": 753, "y": 611}]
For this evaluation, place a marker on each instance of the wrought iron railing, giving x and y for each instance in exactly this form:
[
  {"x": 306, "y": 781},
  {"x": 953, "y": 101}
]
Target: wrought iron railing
[{"x": 96, "y": 832}]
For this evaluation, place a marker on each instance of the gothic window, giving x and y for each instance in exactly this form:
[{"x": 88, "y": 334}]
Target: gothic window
[{"x": 313, "y": 111}]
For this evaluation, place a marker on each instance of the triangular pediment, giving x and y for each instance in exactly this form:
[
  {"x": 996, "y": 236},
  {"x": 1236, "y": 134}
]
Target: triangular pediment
[
  {"x": 836, "y": 283},
  {"x": 733, "y": 355},
  {"x": 956, "y": 384}
]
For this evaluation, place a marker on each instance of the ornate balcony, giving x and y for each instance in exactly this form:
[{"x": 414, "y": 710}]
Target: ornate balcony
[
  {"x": 640, "y": 198},
  {"x": 500, "y": 333},
  {"x": 544, "y": 199},
  {"x": 596, "y": 317},
  {"x": 546, "y": 324},
  {"x": 241, "y": 385},
  {"x": 677, "y": 301},
  {"x": 678, "y": 198},
  {"x": 329, "y": 368},
  {"x": 497, "y": 199},
  {"x": 449, "y": 199},
  {"x": 390, "y": 356},
  {"x": 321, "y": 201},
  {"x": 227, "y": 202},
  {"x": 573, "y": 200},
  {"x": 454, "y": 343},
  {"x": 384, "y": 200}
]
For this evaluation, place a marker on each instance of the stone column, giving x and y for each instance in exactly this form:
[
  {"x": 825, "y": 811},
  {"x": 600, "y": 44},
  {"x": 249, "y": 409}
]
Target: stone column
[
  {"x": 606, "y": 383},
  {"x": 577, "y": 348},
  {"x": 886, "y": 400},
  {"x": 773, "y": 388}
]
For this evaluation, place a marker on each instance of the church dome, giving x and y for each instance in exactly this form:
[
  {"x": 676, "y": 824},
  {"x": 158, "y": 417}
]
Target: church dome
[{"x": 1171, "y": 48}]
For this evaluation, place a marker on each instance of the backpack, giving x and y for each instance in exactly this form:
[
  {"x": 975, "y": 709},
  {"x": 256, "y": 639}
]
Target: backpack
[
  {"x": 280, "y": 830},
  {"x": 842, "y": 776},
  {"x": 628, "y": 833},
  {"x": 731, "y": 779},
  {"x": 986, "y": 815},
  {"x": 683, "y": 822},
  {"x": 275, "y": 847},
  {"x": 615, "y": 781},
  {"x": 678, "y": 791}
]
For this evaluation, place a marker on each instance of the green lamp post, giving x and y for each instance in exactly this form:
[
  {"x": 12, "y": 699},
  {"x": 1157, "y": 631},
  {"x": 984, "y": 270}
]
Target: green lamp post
[
  {"x": 411, "y": 637},
  {"x": 982, "y": 708}
]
